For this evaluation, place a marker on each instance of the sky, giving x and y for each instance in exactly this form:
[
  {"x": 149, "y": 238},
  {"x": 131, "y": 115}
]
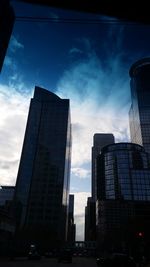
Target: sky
[{"x": 83, "y": 60}]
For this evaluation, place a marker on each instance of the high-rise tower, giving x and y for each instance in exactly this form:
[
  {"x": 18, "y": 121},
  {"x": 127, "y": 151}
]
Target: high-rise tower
[
  {"x": 123, "y": 197},
  {"x": 42, "y": 187},
  {"x": 139, "y": 115},
  {"x": 71, "y": 224},
  {"x": 99, "y": 141},
  {"x": 123, "y": 173}
]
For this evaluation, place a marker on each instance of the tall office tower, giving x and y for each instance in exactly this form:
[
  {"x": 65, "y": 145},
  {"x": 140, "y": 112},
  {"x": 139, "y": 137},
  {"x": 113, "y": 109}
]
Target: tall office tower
[
  {"x": 139, "y": 114},
  {"x": 99, "y": 141},
  {"x": 7, "y": 18},
  {"x": 123, "y": 172},
  {"x": 71, "y": 225},
  {"x": 89, "y": 233},
  {"x": 123, "y": 191},
  {"x": 42, "y": 186}
]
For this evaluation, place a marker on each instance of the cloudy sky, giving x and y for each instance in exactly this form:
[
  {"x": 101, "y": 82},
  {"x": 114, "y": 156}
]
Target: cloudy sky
[{"x": 84, "y": 61}]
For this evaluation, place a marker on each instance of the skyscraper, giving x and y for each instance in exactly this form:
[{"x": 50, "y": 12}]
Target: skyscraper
[
  {"x": 139, "y": 114},
  {"x": 71, "y": 224},
  {"x": 90, "y": 216},
  {"x": 42, "y": 186},
  {"x": 123, "y": 196},
  {"x": 123, "y": 172},
  {"x": 99, "y": 141}
]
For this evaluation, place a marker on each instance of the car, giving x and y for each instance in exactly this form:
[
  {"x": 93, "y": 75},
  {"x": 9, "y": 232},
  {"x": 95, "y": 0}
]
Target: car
[
  {"x": 116, "y": 260},
  {"x": 33, "y": 253},
  {"x": 50, "y": 254},
  {"x": 65, "y": 256}
]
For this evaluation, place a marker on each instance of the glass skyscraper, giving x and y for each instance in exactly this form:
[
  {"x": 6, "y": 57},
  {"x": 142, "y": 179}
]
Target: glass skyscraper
[
  {"x": 123, "y": 172},
  {"x": 123, "y": 196},
  {"x": 99, "y": 141},
  {"x": 139, "y": 114},
  {"x": 42, "y": 186}
]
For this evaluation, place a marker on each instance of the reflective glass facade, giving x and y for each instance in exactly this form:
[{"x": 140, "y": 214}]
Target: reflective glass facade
[
  {"x": 139, "y": 114},
  {"x": 42, "y": 187},
  {"x": 123, "y": 190},
  {"x": 123, "y": 172}
]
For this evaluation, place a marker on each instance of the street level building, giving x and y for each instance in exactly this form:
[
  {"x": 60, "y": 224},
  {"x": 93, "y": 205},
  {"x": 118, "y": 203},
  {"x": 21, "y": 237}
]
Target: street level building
[
  {"x": 7, "y": 224},
  {"x": 6, "y": 194}
]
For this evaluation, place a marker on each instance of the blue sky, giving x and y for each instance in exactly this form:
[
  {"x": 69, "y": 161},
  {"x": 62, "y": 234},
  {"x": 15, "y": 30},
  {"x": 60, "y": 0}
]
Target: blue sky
[{"x": 85, "y": 62}]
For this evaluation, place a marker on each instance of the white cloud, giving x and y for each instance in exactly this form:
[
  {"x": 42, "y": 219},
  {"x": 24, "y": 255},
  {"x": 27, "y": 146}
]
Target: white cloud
[
  {"x": 13, "y": 114},
  {"x": 80, "y": 172},
  {"x": 8, "y": 61},
  {"x": 15, "y": 44},
  {"x": 99, "y": 102},
  {"x": 75, "y": 50}
]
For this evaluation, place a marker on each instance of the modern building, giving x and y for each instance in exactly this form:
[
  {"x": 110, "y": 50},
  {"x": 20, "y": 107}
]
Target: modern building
[
  {"x": 6, "y": 194},
  {"x": 123, "y": 172},
  {"x": 71, "y": 224},
  {"x": 7, "y": 19},
  {"x": 7, "y": 229},
  {"x": 123, "y": 226},
  {"x": 139, "y": 114},
  {"x": 42, "y": 187},
  {"x": 99, "y": 141},
  {"x": 90, "y": 220},
  {"x": 7, "y": 224},
  {"x": 123, "y": 191}
]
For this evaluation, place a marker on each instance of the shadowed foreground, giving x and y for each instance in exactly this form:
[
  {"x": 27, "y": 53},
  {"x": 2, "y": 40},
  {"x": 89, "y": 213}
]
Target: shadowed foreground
[{"x": 23, "y": 262}]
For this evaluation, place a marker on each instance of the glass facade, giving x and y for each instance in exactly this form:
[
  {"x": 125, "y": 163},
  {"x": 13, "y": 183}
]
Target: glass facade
[
  {"x": 123, "y": 172},
  {"x": 139, "y": 114},
  {"x": 123, "y": 196},
  {"x": 43, "y": 181}
]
